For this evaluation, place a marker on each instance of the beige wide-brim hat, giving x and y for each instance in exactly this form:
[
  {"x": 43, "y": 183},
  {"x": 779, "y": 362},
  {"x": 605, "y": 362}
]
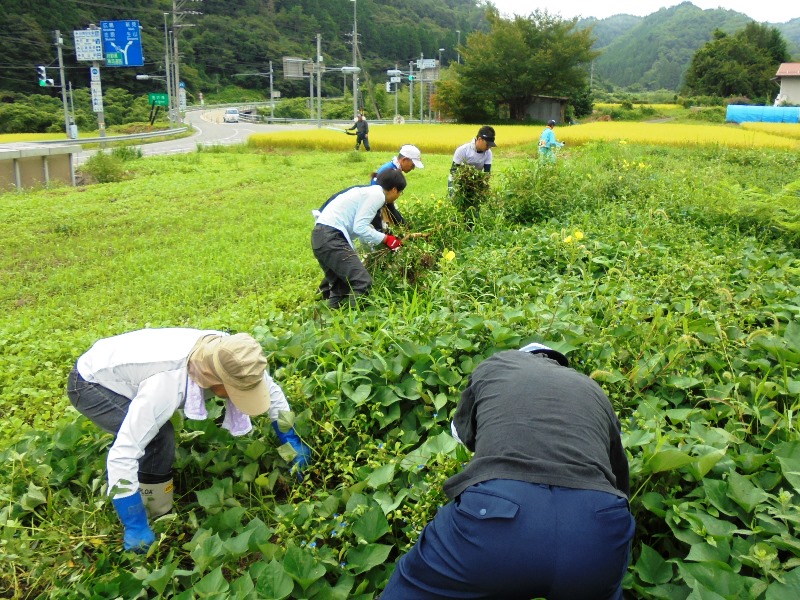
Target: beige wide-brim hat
[{"x": 240, "y": 363}]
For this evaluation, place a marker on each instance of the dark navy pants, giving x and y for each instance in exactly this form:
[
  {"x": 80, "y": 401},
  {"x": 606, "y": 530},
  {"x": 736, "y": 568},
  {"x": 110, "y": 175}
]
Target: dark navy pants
[{"x": 508, "y": 540}]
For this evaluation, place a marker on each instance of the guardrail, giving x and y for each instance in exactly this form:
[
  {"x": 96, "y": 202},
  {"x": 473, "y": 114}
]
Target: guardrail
[{"x": 117, "y": 138}]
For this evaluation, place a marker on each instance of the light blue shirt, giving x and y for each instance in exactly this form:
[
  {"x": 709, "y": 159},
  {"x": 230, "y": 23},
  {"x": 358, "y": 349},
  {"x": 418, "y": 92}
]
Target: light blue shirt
[
  {"x": 352, "y": 211},
  {"x": 547, "y": 141}
]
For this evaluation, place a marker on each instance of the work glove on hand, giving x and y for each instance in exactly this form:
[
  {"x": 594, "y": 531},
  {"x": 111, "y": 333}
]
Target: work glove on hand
[
  {"x": 303, "y": 458},
  {"x": 392, "y": 242},
  {"x": 138, "y": 535}
]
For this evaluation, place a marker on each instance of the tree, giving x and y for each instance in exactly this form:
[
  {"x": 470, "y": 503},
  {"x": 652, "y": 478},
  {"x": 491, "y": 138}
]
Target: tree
[
  {"x": 540, "y": 55},
  {"x": 741, "y": 64}
]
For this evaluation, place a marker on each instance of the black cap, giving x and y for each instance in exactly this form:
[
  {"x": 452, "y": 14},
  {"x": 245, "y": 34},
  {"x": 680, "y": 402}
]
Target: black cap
[
  {"x": 551, "y": 123},
  {"x": 487, "y": 133}
]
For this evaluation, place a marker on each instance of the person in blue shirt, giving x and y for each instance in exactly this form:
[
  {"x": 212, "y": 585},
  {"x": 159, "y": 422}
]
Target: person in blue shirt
[
  {"x": 547, "y": 143},
  {"x": 406, "y": 161},
  {"x": 346, "y": 217}
]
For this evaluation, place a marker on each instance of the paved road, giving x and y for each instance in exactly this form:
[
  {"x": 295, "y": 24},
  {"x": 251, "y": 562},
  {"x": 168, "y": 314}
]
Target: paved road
[{"x": 209, "y": 131}]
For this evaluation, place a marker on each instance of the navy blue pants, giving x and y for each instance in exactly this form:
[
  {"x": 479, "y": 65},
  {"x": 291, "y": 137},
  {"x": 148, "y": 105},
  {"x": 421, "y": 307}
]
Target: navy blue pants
[{"x": 510, "y": 540}]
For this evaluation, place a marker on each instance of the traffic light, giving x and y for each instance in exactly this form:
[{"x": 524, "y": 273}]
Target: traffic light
[
  {"x": 389, "y": 87},
  {"x": 42, "y": 72},
  {"x": 411, "y": 78}
]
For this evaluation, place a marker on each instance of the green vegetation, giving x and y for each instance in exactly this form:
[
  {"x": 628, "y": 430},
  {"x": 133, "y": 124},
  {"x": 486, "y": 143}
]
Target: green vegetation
[
  {"x": 669, "y": 275},
  {"x": 742, "y": 64},
  {"x": 515, "y": 61}
]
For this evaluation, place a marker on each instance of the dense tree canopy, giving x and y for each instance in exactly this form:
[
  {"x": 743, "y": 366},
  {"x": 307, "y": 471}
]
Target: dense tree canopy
[
  {"x": 741, "y": 64},
  {"x": 540, "y": 55}
]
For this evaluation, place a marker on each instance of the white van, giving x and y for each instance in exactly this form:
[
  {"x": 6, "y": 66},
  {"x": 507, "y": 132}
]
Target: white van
[{"x": 231, "y": 115}]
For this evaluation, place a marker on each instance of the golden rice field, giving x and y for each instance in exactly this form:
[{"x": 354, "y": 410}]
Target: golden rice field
[
  {"x": 790, "y": 130},
  {"x": 10, "y": 138},
  {"x": 658, "y": 107},
  {"x": 443, "y": 139}
]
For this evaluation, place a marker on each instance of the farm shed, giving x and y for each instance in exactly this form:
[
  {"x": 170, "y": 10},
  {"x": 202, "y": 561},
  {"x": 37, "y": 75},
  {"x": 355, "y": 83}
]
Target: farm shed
[
  {"x": 739, "y": 113},
  {"x": 544, "y": 108},
  {"x": 788, "y": 76}
]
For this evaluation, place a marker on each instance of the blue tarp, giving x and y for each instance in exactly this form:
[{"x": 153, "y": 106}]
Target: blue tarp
[{"x": 738, "y": 113}]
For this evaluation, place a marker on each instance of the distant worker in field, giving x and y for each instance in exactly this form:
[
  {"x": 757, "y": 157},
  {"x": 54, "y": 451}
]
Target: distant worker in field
[
  {"x": 344, "y": 218},
  {"x": 476, "y": 153},
  {"x": 406, "y": 161},
  {"x": 541, "y": 510},
  {"x": 131, "y": 384},
  {"x": 548, "y": 143},
  {"x": 362, "y": 132}
]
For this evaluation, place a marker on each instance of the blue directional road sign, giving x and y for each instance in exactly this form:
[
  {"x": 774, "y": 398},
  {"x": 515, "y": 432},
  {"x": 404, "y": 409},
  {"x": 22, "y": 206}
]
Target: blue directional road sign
[{"x": 122, "y": 43}]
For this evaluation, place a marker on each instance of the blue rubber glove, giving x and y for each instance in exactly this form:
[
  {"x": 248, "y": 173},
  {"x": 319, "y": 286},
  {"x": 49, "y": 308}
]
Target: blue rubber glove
[
  {"x": 138, "y": 535},
  {"x": 303, "y": 458}
]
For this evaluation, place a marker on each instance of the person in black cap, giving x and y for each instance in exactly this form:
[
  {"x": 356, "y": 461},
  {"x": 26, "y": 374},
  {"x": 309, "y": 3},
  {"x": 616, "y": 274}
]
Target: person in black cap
[
  {"x": 548, "y": 142},
  {"x": 476, "y": 153},
  {"x": 541, "y": 510}
]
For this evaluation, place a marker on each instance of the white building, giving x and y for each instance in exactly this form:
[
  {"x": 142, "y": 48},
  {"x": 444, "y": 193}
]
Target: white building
[{"x": 788, "y": 76}]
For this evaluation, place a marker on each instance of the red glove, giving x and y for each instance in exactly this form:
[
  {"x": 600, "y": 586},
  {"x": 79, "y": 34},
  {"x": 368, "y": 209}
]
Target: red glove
[{"x": 392, "y": 242}]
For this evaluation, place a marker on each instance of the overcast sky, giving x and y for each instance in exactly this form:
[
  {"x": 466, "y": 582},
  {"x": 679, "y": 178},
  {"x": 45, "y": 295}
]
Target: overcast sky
[{"x": 765, "y": 11}]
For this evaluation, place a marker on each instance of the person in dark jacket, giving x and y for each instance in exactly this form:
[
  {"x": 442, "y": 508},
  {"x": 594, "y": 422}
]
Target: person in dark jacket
[
  {"x": 541, "y": 510},
  {"x": 362, "y": 132}
]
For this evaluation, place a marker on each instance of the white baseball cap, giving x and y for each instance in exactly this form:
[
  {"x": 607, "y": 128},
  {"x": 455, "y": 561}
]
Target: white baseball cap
[
  {"x": 413, "y": 154},
  {"x": 535, "y": 348}
]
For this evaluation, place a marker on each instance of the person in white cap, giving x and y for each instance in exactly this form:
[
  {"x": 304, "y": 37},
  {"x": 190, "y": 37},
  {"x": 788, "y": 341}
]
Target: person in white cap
[
  {"x": 406, "y": 161},
  {"x": 541, "y": 509},
  {"x": 131, "y": 384}
]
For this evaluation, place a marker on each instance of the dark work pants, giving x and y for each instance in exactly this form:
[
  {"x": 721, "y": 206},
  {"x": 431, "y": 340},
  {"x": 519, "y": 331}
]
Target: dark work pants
[
  {"x": 345, "y": 274},
  {"x": 509, "y": 540},
  {"x": 107, "y": 410},
  {"x": 362, "y": 138}
]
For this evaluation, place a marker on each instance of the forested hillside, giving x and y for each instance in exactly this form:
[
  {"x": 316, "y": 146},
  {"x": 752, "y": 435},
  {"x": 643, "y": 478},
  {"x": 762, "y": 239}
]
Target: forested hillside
[
  {"x": 654, "y": 52},
  {"x": 235, "y": 36},
  {"x": 232, "y": 37}
]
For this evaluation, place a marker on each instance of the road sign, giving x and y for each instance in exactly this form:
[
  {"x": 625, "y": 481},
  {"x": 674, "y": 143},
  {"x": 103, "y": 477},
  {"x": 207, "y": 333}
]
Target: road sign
[
  {"x": 158, "y": 99},
  {"x": 394, "y": 79},
  {"x": 94, "y": 74},
  {"x": 88, "y": 44},
  {"x": 122, "y": 43},
  {"x": 97, "y": 96},
  {"x": 426, "y": 63}
]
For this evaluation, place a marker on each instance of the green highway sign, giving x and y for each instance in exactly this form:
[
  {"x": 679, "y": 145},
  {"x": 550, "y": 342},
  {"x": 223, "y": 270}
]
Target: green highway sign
[
  {"x": 115, "y": 59},
  {"x": 158, "y": 99}
]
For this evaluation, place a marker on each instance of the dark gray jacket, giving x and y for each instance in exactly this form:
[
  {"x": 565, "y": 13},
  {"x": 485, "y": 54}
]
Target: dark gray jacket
[{"x": 528, "y": 418}]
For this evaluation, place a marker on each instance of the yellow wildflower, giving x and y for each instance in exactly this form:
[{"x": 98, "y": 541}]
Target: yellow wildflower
[
  {"x": 578, "y": 235},
  {"x": 448, "y": 255}
]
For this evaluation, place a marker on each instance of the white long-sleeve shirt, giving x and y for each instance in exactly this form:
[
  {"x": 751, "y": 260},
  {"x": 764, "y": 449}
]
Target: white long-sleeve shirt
[
  {"x": 352, "y": 212},
  {"x": 149, "y": 366}
]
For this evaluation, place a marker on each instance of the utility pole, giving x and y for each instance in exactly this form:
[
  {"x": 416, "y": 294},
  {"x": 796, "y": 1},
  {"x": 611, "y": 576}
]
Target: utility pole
[
  {"x": 167, "y": 69},
  {"x": 355, "y": 61},
  {"x": 421, "y": 89},
  {"x": 411, "y": 89},
  {"x": 319, "y": 80},
  {"x": 458, "y": 45},
  {"x": 271, "y": 95},
  {"x": 59, "y": 45},
  {"x": 177, "y": 15}
]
